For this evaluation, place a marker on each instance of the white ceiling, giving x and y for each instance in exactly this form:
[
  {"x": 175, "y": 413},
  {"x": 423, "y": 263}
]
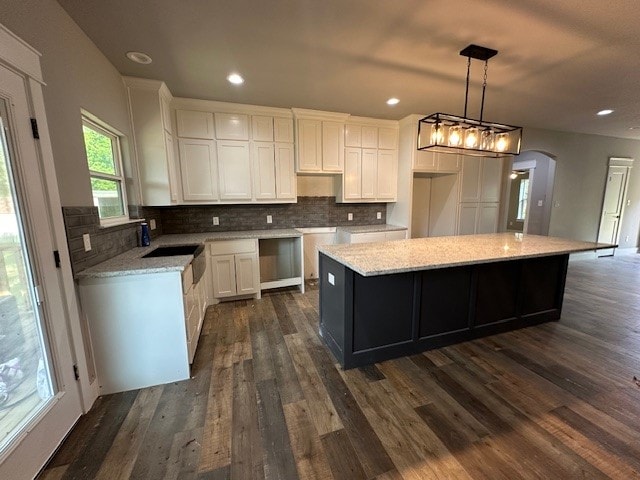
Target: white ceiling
[{"x": 559, "y": 61}]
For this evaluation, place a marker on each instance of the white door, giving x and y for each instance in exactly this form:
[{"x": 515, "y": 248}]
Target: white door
[
  {"x": 470, "y": 185},
  {"x": 309, "y": 145},
  {"x": 332, "y": 146},
  {"x": 614, "y": 196},
  {"x": 286, "y": 186},
  {"x": 491, "y": 180},
  {"x": 264, "y": 170},
  {"x": 387, "y": 174},
  {"x": 352, "y": 178},
  {"x": 467, "y": 218},
  {"x": 198, "y": 169},
  {"x": 488, "y": 218},
  {"x": 39, "y": 396},
  {"x": 223, "y": 274},
  {"x": 234, "y": 170},
  {"x": 369, "y": 173},
  {"x": 247, "y": 273}
]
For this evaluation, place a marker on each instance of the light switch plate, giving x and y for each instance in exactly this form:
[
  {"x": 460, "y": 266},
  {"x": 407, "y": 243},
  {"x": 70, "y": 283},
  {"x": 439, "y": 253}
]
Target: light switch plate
[
  {"x": 379, "y": 215},
  {"x": 152, "y": 224},
  {"x": 331, "y": 278},
  {"x": 269, "y": 219},
  {"x": 86, "y": 239},
  {"x": 350, "y": 216},
  {"x": 216, "y": 221}
]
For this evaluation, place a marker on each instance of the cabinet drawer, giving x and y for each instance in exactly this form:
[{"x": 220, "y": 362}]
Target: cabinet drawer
[{"x": 230, "y": 247}]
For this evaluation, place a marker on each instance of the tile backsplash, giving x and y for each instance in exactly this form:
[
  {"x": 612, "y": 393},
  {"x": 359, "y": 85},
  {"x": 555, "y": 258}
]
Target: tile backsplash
[
  {"x": 108, "y": 242},
  {"x": 307, "y": 212}
]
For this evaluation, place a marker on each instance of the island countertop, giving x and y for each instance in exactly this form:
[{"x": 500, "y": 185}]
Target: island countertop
[{"x": 369, "y": 259}]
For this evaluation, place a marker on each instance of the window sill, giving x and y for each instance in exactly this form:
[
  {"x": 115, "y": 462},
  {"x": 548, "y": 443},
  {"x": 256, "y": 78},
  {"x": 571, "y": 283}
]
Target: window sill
[{"x": 118, "y": 223}]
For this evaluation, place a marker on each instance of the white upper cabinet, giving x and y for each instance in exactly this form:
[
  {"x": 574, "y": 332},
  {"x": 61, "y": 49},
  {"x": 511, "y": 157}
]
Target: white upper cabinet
[
  {"x": 332, "y": 146},
  {"x": 283, "y": 130},
  {"x": 264, "y": 170},
  {"x": 285, "y": 172},
  {"x": 387, "y": 175},
  {"x": 262, "y": 128},
  {"x": 195, "y": 124},
  {"x": 470, "y": 186},
  {"x": 319, "y": 141},
  {"x": 352, "y": 181},
  {"x": 424, "y": 160},
  {"x": 198, "y": 169},
  {"x": 149, "y": 103},
  {"x": 353, "y": 136},
  {"x": 309, "y": 145},
  {"x": 491, "y": 179},
  {"x": 232, "y": 126},
  {"x": 369, "y": 173},
  {"x": 234, "y": 170},
  {"x": 369, "y": 136},
  {"x": 387, "y": 138}
]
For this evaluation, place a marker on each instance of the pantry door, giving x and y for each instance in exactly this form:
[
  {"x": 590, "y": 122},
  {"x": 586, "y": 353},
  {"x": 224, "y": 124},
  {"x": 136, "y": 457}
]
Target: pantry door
[{"x": 39, "y": 395}]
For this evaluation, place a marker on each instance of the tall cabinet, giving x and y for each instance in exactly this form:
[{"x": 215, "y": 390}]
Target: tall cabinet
[
  {"x": 479, "y": 207},
  {"x": 150, "y": 110}
]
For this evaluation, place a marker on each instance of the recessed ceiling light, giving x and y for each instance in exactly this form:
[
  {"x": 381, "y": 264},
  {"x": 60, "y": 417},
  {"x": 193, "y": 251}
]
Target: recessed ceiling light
[
  {"x": 605, "y": 112},
  {"x": 235, "y": 78},
  {"x": 139, "y": 57},
  {"x": 393, "y": 101}
]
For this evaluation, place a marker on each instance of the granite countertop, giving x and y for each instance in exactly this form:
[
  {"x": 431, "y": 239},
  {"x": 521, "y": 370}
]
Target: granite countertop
[
  {"x": 399, "y": 256},
  {"x": 131, "y": 263},
  {"x": 371, "y": 228}
]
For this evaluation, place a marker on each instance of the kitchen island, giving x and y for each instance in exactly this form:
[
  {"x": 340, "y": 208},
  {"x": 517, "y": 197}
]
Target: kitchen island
[{"x": 389, "y": 299}]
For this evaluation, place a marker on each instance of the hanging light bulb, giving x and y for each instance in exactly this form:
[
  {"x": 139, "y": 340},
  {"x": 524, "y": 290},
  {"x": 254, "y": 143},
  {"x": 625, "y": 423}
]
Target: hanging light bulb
[
  {"x": 455, "y": 136},
  {"x": 471, "y": 137},
  {"x": 502, "y": 142},
  {"x": 437, "y": 134},
  {"x": 513, "y": 175},
  {"x": 487, "y": 139}
]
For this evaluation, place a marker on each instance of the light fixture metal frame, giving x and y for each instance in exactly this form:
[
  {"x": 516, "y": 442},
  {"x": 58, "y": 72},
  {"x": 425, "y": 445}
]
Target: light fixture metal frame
[{"x": 427, "y": 141}]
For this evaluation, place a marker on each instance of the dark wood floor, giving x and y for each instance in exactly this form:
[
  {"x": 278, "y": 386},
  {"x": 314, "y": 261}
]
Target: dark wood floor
[{"x": 556, "y": 401}]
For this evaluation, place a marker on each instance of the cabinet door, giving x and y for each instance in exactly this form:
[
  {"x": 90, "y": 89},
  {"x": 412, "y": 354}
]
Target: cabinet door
[
  {"x": 171, "y": 167},
  {"x": 470, "y": 185},
  {"x": 309, "y": 145},
  {"x": 232, "y": 126},
  {"x": 425, "y": 161},
  {"x": 283, "y": 130},
  {"x": 467, "y": 218},
  {"x": 332, "y": 146},
  {"x": 223, "y": 275},
  {"x": 262, "y": 128},
  {"x": 193, "y": 124},
  {"x": 285, "y": 172},
  {"x": 387, "y": 138},
  {"x": 369, "y": 172},
  {"x": 369, "y": 137},
  {"x": 352, "y": 178},
  {"x": 264, "y": 170},
  {"x": 491, "y": 179},
  {"x": 198, "y": 169},
  {"x": 488, "y": 218},
  {"x": 447, "y": 162},
  {"x": 387, "y": 174},
  {"x": 247, "y": 278},
  {"x": 234, "y": 170},
  {"x": 353, "y": 136}
]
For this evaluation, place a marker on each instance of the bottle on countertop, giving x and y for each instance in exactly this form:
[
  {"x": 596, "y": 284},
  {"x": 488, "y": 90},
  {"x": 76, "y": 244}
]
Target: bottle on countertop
[{"x": 145, "y": 239}]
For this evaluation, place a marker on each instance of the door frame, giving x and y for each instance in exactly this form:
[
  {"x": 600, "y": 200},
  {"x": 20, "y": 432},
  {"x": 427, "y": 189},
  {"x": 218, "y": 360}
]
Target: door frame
[
  {"x": 626, "y": 163},
  {"x": 23, "y": 60}
]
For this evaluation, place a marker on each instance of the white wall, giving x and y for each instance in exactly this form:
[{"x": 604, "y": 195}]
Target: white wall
[
  {"x": 581, "y": 171},
  {"x": 77, "y": 76}
]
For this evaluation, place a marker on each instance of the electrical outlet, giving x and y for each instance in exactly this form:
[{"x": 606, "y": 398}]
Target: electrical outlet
[
  {"x": 350, "y": 216},
  {"x": 626, "y": 239},
  {"x": 540, "y": 203},
  {"x": 628, "y": 203},
  {"x": 216, "y": 220},
  {"x": 152, "y": 224},
  {"x": 269, "y": 219},
  {"x": 86, "y": 239},
  {"x": 556, "y": 204},
  {"x": 379, "y": 215}
]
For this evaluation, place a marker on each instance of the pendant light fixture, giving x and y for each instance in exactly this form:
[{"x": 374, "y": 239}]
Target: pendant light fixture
[{"x": 446, "y": 133}]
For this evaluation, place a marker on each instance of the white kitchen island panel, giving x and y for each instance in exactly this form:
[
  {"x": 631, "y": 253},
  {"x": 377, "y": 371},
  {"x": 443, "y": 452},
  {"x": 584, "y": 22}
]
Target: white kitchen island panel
[{"x": 138, "y": 333}]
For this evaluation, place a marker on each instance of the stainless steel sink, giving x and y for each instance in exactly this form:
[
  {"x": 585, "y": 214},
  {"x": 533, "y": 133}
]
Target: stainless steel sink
[{"x": 174, "y": 250}]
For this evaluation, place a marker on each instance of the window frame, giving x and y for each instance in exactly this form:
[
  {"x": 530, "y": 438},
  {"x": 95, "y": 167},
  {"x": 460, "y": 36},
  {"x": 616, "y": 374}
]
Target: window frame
[
  {"x": 94, "y": 123},
  {"x": 523, "y": 199}
]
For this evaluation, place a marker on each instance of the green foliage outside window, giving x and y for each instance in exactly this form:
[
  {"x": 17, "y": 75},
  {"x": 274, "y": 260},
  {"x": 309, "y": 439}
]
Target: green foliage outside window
[{"x": 100, "y": 157}]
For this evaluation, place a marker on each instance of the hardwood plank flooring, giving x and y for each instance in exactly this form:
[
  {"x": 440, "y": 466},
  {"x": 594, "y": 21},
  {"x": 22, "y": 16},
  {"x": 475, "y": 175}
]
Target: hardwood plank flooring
[{"x": 268, "y": 401}]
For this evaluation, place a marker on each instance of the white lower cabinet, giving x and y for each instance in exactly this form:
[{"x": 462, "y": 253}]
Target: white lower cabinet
[
  {"x": 234, "y": 268},
  {"x": 476, "y": 218}
]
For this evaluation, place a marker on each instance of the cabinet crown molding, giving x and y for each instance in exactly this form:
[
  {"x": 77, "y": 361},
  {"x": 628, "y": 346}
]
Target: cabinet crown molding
[
  {"x": 183, "y": 103},
  {"x": 303, "y": 113},
  {"x": 374, "y": 122}
]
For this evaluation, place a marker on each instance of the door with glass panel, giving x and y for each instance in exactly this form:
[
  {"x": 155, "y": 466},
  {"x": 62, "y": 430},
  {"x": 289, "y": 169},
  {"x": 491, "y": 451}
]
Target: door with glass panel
[{"x": 39, "y": 397}]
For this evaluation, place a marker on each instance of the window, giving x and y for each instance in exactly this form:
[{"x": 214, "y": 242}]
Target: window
[
  {"x": 102, "y": 145},
  {"x": 523, "y": 198}
]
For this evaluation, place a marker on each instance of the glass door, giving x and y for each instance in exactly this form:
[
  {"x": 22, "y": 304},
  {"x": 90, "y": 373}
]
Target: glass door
[
  {"x": 26, "y": 383},
  {"x": 39, "y": 396}
]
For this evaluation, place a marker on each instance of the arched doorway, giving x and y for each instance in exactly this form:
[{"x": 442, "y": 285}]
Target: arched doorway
[{"x": 530, "y": 193}]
